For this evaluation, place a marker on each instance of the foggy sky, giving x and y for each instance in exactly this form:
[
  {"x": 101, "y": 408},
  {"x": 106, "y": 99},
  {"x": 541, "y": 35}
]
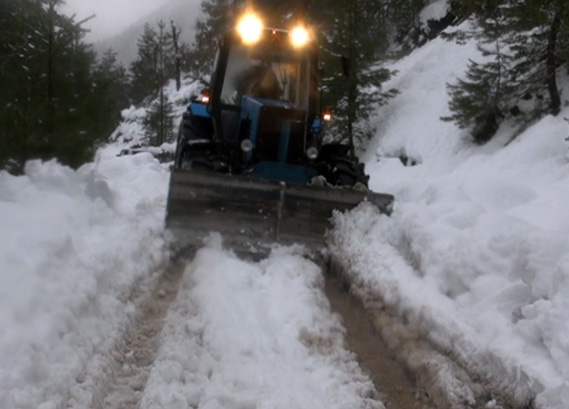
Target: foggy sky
[{"x": 113, "y": 16}]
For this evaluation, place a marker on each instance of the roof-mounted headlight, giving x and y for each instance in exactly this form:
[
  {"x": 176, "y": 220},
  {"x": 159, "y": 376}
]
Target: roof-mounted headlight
[
  {"x": 299, "y": 36},
  {"x": 250, "y": 28}
]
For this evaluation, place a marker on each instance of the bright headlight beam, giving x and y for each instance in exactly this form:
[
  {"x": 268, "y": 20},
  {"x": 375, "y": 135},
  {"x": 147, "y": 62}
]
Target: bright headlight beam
[
  {"x": 250, "y": 28},
  {"x": 299, "y": 36}
]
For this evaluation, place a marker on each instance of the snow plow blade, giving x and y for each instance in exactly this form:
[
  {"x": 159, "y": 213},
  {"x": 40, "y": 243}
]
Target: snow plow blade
[{"x": 253, "y": 214}]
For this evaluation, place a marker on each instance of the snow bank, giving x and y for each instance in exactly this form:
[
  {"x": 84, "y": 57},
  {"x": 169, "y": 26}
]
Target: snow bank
[
  {"x": 73, "y": 244},
  {"x": 244, "y": 334},
  {"x": 477, "y": 250},
  {"x": 131, "y": 132}
]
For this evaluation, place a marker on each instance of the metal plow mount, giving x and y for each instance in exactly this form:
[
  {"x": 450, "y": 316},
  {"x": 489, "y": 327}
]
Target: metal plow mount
[{"x": 251, "y": 213}]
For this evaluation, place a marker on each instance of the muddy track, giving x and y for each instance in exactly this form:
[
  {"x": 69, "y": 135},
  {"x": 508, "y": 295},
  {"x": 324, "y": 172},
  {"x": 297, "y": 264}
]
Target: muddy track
[
  {"x": 135, "y": 355},
  {"x": 375, "y": 332},
  {"x": 125, "y": 371},
  {"x": 396, "y": 388}
]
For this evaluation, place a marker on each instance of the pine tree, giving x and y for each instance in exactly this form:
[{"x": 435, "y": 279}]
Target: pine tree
[
  {"x": 537, "y": 42},
  {"x": 217, "y": 17},
  {"x": 156, "y": 64},
  {"x": 534, "y": 41},
  {"x": 405, "y": 26},
  {"x": 144, "y": 81},
  {"x": 481, "y": 101},
  {"x": 111, "y": 81},
  {"x": 46, "y": 85},
  {"x": 158, "y": 123},
  {"x": 355, "y": 89},
  {"x": 177, "y": 50}
]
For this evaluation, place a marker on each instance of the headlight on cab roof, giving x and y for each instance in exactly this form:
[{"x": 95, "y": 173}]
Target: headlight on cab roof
[
  {"x": 250, "y": 28},
  {"x": 299, "y": 36}
]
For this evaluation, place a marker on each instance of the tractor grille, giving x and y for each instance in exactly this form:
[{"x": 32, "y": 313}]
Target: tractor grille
[{"x": 271, "y": 129}]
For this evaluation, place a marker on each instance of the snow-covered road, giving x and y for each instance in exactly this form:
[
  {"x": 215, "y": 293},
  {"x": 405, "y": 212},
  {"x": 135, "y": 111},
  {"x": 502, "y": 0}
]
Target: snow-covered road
[
  {"x": 200, "y": 339},
  {"x": 250, "y": 334},
  {"x": 90, "y": 320}
]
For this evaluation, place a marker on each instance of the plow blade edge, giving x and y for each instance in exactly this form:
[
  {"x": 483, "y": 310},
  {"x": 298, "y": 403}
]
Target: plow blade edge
[{"x": 252, "y": 213}]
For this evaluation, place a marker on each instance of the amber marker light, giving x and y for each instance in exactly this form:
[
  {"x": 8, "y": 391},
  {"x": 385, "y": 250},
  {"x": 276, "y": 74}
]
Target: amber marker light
[
  {"x": 327, "y": 115},
  {"x": 299, "y": 36},
  {"x": 205, "y": 96},
  {"x": 250, "y": 28}
]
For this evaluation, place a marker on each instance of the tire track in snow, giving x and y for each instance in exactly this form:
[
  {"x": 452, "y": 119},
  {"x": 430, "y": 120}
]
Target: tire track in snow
[
  {"x": 394, "y": 385},
  {"x": 136, "y": 354},
  {"x": 125, "y": 370},
  {"x": 435, "y": 374}
]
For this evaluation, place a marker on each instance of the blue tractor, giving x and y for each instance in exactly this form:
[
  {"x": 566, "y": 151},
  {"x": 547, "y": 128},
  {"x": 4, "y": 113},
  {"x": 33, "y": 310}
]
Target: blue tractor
[{"x": 250, "y": 162}]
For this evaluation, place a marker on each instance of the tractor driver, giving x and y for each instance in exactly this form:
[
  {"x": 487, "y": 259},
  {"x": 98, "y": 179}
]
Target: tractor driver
[{"x": 259, "y": 81}]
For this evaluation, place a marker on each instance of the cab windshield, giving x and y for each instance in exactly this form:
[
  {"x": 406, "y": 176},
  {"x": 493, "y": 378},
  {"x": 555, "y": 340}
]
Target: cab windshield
[{"x": 266, "y": 70}]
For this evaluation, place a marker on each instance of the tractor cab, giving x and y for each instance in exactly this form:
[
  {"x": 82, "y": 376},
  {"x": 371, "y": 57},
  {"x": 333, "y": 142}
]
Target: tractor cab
[
  {"x": 270, "y": 69},
  {"x": 263, "y": 103},
  {"x": 260, "y": 113}
]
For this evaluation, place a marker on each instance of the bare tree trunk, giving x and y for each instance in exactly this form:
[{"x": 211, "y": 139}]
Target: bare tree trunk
[
  {"x": 352, "y": 78},
  {"x": 178, "y": 58},
  {"x": 555, "y": 104},
  {"x": 161, "y": 68},
  {"x": 50, "y": 124}
]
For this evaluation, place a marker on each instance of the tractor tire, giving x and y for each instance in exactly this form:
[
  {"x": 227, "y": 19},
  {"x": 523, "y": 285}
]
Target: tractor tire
[
  {"x": 202, "y": 155},
  {"x": 339, "y": 169}
]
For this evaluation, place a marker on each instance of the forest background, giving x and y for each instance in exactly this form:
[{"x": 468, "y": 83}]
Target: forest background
[{"x": 61, "y": 100}]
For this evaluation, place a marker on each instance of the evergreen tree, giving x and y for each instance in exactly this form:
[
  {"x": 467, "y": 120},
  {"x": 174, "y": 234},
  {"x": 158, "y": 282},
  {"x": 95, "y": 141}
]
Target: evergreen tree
[
  {"x": 158, "y": 123},
  {"x": 145, "y": 81},
  {"x": 403, "y": 20},
  {"x": 177, "y": 51},
  {"x": 158, "y": 61},
  {"x": 217, "y": 18},
  {"x": 46, "y": 85},
  {"x": 538, "y": 40},
  {"x": 533, "y": 39},
  {"x": 111, "y": 81},
  {"x": 355, "y": 90},
  {"x": 480, "y": 101}
]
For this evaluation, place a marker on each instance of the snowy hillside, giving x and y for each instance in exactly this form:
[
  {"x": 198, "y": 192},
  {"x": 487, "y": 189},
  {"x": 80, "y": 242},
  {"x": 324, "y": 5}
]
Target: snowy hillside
[
  {"x": 475, "y": 259},
  {"x": 477, "y": 249}
]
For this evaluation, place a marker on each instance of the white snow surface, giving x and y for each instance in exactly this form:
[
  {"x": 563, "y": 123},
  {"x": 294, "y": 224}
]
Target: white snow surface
[
  {"x": 477, "y": 249},
  {"x": 73, "y": 245},
  {"x": 255, "y": 335}
]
